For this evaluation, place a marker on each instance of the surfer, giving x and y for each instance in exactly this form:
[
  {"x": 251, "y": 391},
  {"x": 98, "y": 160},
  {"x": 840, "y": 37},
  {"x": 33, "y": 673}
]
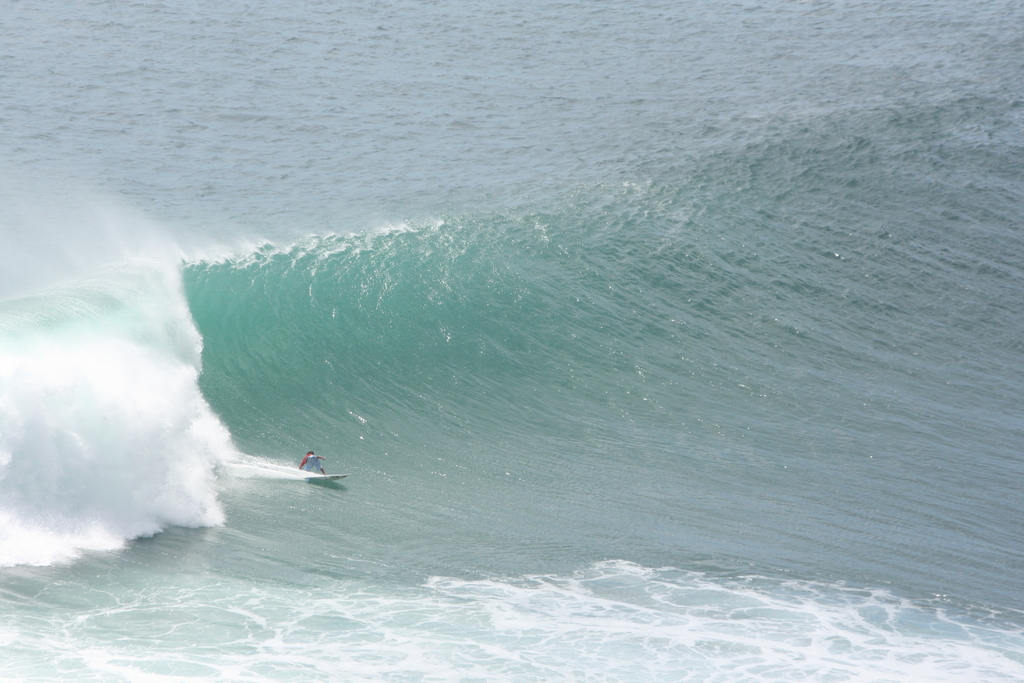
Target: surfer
[{"x": 312, "y": 463}]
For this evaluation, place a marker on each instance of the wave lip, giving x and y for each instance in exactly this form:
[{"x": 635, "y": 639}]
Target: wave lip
[{"x": 104, "y": 434}]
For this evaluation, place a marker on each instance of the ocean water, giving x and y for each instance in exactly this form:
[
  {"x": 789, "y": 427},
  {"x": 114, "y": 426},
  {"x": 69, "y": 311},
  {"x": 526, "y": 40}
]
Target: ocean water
[{"x": 660, "y": 341}]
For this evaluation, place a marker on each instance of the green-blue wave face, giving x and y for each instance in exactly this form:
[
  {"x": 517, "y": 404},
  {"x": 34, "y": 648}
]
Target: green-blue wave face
[{"x": 645, "y": 373}]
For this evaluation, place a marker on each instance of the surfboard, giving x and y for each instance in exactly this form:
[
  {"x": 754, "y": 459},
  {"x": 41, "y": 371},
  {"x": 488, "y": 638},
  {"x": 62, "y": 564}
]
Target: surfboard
[{"x": 323, "y": 477}]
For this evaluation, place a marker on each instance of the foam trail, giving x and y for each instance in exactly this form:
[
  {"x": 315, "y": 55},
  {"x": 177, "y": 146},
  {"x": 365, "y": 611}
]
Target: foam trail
[
  {"x": 104, "y": 434},
  {"x": 250, "y": 467}
]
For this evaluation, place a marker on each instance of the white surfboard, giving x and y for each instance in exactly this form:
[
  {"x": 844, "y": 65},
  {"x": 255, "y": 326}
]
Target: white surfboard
[{"x": 310, "y": 476}]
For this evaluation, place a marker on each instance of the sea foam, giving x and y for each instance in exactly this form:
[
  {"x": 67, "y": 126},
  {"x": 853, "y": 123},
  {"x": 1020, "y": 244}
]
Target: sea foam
[
  {"x": 614, "y": 621},
  {"x": 104, "y": 434}
]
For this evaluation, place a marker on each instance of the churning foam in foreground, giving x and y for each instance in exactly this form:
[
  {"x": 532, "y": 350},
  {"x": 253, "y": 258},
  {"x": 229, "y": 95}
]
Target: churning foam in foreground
[
  {"x": 104, "y": 434},
  {"x": 613, "y": 622}
]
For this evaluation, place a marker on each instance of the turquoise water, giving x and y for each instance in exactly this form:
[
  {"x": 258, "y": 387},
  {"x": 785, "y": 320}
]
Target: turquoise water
[{"x": 673, "y": 343}]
